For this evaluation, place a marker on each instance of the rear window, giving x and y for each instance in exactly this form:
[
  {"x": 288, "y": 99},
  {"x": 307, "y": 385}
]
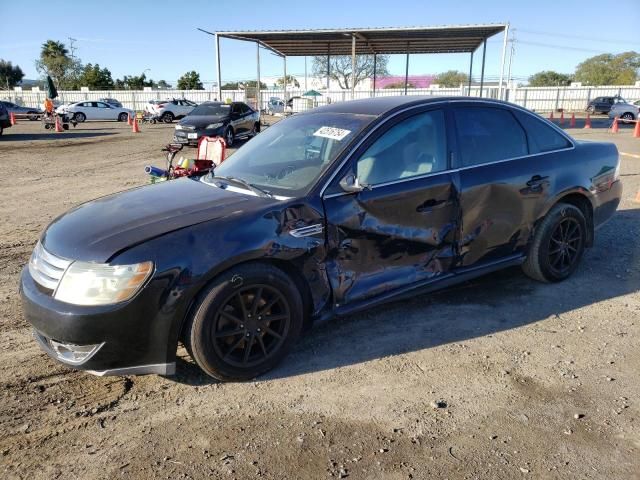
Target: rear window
[
  {"x": 542, "y": 137},
  {"x": 488, "y": 134}
]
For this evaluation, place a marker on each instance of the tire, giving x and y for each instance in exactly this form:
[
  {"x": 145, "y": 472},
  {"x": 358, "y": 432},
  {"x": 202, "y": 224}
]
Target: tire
[
  {"x": 229, "y": 136},
  {"x": 590, "y": 110},
  {"x": 227, "y": 356},
  {"x": 167, "y": 117},
  {"x": 256, "y": 129},
  {"x": 627, "y": 116},
  {"x": 123, "y": 117},
  {"x": 80, "y": 117},
  {"x": 33, "y": 116},
  {"x": 1, "y": 130},
  {"x": 558, "y": 244}
]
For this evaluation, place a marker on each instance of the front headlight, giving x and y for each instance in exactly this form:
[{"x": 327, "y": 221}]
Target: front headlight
[
  {"x": 86, "y": 283},
  {"x": 212, "y": 126},
  {"x": 179, "y": 127}
]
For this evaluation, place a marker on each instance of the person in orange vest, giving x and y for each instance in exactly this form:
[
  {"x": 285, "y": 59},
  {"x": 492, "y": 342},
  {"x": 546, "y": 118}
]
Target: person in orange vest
[{"x": 48, "y": 107}]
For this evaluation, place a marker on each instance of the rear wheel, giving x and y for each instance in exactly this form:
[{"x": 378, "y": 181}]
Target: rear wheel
[
  {"x": 558, "y": 244},
  {"x": 627, "y": 116},
  {"x": 167, "y": 117},
  {"x": 33, "y": 116},
  {"x": 228, "y": 136},
  {"x": 245, "y": 323},
  {"x": 80, "y": 117}
]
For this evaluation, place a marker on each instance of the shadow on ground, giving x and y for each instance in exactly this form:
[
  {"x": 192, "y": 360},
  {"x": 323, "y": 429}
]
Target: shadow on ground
[
  {"x": 66, "y": 135},
  {"x": 485, "y": 306}
]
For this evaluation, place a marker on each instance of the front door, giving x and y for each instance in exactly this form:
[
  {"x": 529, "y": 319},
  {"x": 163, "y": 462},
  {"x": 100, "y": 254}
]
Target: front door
[{"x": 401, "y": 229}]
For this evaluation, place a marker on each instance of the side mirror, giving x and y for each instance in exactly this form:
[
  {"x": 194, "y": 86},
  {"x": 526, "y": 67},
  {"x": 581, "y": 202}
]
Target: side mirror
[{"x": 350, "y": 184}]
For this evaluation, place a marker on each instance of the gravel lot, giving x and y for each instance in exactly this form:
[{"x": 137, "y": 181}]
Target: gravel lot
[{"x": 499, "y": 378}]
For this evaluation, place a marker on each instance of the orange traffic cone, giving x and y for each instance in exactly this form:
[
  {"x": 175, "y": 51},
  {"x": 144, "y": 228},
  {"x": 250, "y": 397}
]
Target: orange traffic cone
[
  {"x": 562, "y": 117},
  {"x": 551, "y": 116},
  {"x": 129, "y": 120},
  {"x": 572, "y": 122},
  {"x": 636, "y": 131},
  {"x": 587, "y": 123},
  {"x": 58, "y": 125},
  {"x": 12, "y": 118},
  {"x": 135, "y": 128},
  {"x": 614, "y": 126},
  {"x": 637, "y": 199}
]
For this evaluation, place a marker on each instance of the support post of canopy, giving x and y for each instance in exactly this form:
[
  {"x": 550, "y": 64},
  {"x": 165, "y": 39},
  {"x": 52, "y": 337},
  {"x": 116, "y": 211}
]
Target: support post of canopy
[
  {"x": 284, "y": 81},
  {"x": 375, "y": 65},
  {"x": 258, "y": 93},
  {"x": 504, "y": 56},
  {"x": 484, "y": 54},
  {"x": 218, "y": 68},
  {"x": 406, "y": 71},
  {"x": 470, "y": 75},
  {"x": 353, "y": 67}
]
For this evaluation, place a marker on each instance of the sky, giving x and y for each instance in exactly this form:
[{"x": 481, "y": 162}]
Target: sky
[{"x": 160, "y": 37}]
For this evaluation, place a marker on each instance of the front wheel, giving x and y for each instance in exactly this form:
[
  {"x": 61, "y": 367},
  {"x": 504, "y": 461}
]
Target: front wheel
[
  {"x": 123, "y": 117},
  {"x": 590, "y": 110},
  {"x": 245, "y": 323},
  {"x": 627, "y": 117},
  {"x": 33, "y": 116},
  {"x": 558, "y": 244}
]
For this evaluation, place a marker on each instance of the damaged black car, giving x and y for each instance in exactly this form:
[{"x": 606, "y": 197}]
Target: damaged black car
[{"x": 323, "y": 214}]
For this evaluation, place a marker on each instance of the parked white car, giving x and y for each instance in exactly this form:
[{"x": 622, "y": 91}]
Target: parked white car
[
  {"x": 625, "y": 111},
  {"x": 172, "y": 109},
  {"x": 95, "y": 111}
]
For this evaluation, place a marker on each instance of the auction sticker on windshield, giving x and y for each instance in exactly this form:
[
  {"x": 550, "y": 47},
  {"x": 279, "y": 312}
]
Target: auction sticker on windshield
[{"x": 332, "y": 132}]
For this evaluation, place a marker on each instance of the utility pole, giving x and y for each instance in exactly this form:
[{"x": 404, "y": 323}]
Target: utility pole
[
  {"x": 72, "y": 49},
  {"x": 511, "y": 54}
]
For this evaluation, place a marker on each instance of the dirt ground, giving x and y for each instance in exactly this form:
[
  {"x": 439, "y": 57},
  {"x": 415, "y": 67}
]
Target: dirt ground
[{"x": 499, "y": 378}]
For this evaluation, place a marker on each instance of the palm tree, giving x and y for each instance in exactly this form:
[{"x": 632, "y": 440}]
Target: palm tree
[
  {"x": 55, "y": 61},
  {"x": 52, "y": 49}
]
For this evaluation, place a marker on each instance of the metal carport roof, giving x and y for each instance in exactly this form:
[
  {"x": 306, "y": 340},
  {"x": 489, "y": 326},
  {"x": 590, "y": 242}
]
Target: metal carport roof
[{"x": 437, "y": 39}]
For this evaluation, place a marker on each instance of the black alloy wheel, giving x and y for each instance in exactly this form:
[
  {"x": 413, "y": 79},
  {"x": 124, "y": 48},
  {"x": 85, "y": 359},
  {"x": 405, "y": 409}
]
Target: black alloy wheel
[
  {"x": 565, "y": 246},
  {"x": 228, "y": 137},
  {"x": 245, "y": 322},
  {"x": 251, "y": 325}
]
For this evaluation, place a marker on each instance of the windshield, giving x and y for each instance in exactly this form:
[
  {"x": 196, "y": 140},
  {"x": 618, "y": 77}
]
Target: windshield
[
  {"x": 211, "y": 109},
  {"x": 287, "y": 158}
]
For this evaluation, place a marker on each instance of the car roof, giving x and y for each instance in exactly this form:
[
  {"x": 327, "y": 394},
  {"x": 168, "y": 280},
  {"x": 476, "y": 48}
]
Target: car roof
[{"x": 381, "y": 105}]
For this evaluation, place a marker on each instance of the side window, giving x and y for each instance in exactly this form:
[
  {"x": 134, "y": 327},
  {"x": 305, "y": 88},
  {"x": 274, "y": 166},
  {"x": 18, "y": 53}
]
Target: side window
[
  {"x": 415, "y": 146},
  {"x": 488, "y": 134},
  {"x": 235, "y": 108},
  {"x": 542, "y": 137}
]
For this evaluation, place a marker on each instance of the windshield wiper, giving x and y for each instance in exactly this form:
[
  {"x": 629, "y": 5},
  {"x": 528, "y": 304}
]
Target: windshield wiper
[{"x": 254, "y": 188}]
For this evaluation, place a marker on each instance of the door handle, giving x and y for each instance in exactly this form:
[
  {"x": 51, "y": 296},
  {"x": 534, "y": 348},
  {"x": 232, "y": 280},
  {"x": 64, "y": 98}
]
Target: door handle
[
  {"x": 431, "y": 204},
  {"x": 536, "y": 181}
]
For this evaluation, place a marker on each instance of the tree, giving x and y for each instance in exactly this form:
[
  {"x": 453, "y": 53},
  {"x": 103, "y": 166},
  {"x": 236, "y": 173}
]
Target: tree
[
  {"x": 230, "y": 86},
  {"x": 549, "y": 78},
  {"x": 609, "y": 69},
  {"x": 451, "y": 78},
  {"x": 94, "y": 77},
  {"x": 163, "y": 84},
  {"x": 10, "y": 76},
  {"x": 55, "y": 61},
  {"x": 133, "y": 82},
  {"x": 291, "y": 81},
  {"x": 400, "y": 85},
  {"x": 341, "y": 68},
  {"x": 190, "y": 81}
]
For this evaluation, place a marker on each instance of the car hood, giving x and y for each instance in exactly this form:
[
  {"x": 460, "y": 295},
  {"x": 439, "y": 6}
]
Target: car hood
[
  {"x": 201, "y": 121},
  {"x": 98, "y": 230}
]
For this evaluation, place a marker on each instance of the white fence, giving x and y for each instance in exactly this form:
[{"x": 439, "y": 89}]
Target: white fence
[{"x": 534, "y": 98}]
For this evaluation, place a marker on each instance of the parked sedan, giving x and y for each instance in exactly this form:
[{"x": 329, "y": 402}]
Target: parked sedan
[
  {"x": 214, "y": 119},
  {"x": 170, "y": 110},
  {"x": 603, "y": 104},
  {"x": 625, "y": 111},
  {"x": 83, "y": 111},
  {"x": 33, "y": 113},
  {"x": 325, "y": 213}
]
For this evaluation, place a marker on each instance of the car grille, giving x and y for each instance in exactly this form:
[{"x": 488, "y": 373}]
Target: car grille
[{"x": 45, "y": 268}]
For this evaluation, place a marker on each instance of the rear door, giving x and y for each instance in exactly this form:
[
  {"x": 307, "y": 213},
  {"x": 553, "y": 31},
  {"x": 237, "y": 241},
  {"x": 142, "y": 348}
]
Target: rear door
[
  {"x": 237, "y": 120},
  {"x": 506, "y": 178},
  {"x": 401, "y": 230}
]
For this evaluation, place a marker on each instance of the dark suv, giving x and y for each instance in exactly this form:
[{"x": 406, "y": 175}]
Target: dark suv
[
  {"x": 603, "y": 104},
  {"x": 4, "y": 118}
]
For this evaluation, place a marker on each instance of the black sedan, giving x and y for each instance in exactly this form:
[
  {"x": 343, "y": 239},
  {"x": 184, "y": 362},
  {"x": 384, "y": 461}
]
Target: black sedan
[
  {"x": 325, "y": 213},
  {"x": 215, "y": 119}
]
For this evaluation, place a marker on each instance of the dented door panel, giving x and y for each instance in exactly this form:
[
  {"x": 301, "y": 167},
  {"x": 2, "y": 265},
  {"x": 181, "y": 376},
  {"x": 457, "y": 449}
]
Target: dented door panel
[{"x": 391, "y": 236}]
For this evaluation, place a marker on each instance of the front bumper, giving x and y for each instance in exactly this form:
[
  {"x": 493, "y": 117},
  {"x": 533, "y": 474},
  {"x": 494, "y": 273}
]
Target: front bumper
[
  {"x": 182, "y": 136},
  {"x": 104, "y": 340}
]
